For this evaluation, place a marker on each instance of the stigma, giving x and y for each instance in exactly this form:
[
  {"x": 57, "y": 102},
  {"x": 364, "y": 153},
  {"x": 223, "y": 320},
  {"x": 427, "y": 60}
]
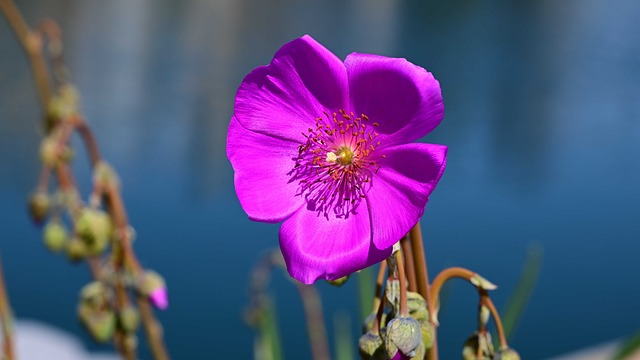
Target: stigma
[{"x": 335, "y": 163}]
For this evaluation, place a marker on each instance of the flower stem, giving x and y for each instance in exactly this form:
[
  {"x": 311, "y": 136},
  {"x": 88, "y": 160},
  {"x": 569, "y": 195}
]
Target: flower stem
[
  {"x": 32, "y": 44},
  {"x": 404, "y": 312},
  {"x": 486, "y": 301},
  {"x": 6, "y": 317},
  {"x": 379, "y": 284},
  {"x": 405, "y": 243},
  {"x": 420, "y": 262}
]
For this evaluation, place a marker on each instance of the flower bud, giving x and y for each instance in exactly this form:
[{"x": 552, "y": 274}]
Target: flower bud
[
  {"x": 482, "y": 283},
  {"x": 392, "y": 292},
  {"x": 95, "y": 312},
  {"x": 95, "y": 294},
  {"x": 417, "y": 306},
  {"x": 49, "y": 152},
  {"x": 403, "y": 334},
  {"x": 427, "y": 331},
  {"x": 55, "y": 235},
  {"x": 507, "y": 354},
  {"x": 94, "y": 228},
  {"x": 39, "y": 205},
  {"x": 475, "y": 341},
  {"x": 129, "y": 319},
  {"x": 371, "y": 346},
  {"x": 104, "y": 175},
  {"x": 370, "y": 320},
  {"x": 76, "y": 249},
  {"x": 339, "y": 282},
  {"x": 152, "y": 285},
  {"x": 100, "y": 324}
]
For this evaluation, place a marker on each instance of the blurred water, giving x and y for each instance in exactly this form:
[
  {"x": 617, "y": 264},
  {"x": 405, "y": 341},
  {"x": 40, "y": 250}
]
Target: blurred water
[{"x": 542, "y": 122}]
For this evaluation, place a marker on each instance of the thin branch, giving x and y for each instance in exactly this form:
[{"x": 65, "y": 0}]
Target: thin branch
[{"x": 6, "y": 316}]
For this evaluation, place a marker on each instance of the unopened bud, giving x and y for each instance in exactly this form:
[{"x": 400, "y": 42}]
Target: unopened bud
[
  {"x": 507, "y": 354},
  {"x": 417, "y": 306},
  {"x": 55, "y": 235},
  {"x": 371, "y": 346},
  {"x": 95, "y": 294},
  {"x": 482, "y": 283},
  {"x": 152, "y": 285},
  {"x": 51, "y": 154},
  {"x": 105, "y": 176},
  {"x": 403, "y": 334},
  {"x": 428, "y": 333},
  {"x": 339, "y": 282},
  {"x": 39, "y": 205},
  {"x": 129, "y": 319},
  {"x": 478, "y": 343},
  {"x": 76, "y": 249},
  {"x": 100, "y": 325},
  {"x": 483, "y": 315},
  {"x": 94, "y": 227}
]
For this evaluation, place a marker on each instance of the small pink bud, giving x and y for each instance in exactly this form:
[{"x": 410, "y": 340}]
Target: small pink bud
[{"x": 159, "y": 299}]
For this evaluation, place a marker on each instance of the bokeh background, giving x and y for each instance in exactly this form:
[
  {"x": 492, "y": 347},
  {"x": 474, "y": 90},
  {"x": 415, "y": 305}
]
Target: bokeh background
[{"x": 542, "y": 121}]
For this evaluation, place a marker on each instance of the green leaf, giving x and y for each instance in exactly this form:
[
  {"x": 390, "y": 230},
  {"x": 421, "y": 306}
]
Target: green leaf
[
  {"x": 512, "y": 312},
  {"x": 366, "y": 289},
  {"x": 343, "y": 336}
]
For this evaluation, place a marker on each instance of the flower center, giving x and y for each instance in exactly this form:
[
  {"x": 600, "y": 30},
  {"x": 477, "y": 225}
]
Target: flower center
[{"x": 335, "y": 164}]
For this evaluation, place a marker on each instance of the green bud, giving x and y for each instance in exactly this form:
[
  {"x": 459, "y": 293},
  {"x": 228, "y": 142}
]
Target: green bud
[
  {"x": 129, "y": 319},
  {"x": 507, "y": 354},
  {"x": 100, "y": 325},
  {"x": 104, "y": 175},
  {"x": 404, "y": 335},
  {"x": 95, "y": 294},
  {"x": 39, "y": 205},
  {"x": 55, "y": 235},
  {"x": 130, "y": 342},
  {"x": 428, "y": 333},
  {"x": 420, "y": 352},
  {"x": 94, "y": 228},
  {"x": 417, "y": 306},
  {"x": 339, "y": 282},
  {"x": 392, "y": 292},
  {"x": 49, "y": 152},
  {"x": 148, "y": 282},
  {"x": 371, "y": 346},
  {"x": 482, "y": 283},
  {"x": 370, "y": 320},
  {"x": 64, "y": 104},
  {"x": 475, "y": 341},
  {"x": 76, "y": 249}
]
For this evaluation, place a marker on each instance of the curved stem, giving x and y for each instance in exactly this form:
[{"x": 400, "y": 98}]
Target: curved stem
[
  {"x": 486, "y": 301},
  {"x": 446, "y": 275},
  {"x": 377, "y": 299}
]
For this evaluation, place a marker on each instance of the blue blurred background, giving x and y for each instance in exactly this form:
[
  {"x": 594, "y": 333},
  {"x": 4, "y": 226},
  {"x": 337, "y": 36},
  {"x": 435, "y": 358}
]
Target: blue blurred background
[{"x": 542, "y": 121}]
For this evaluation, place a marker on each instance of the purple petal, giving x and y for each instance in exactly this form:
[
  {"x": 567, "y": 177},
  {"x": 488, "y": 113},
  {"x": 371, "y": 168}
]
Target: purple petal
[
  {"x": 261, "y": 164},
  {"x": 400, "y": 191},
  {"x": 316, "y": 247},
  {"x": 159, "y": 299},
  {"x": 404, "y": 99},
  {"x": 284, "y": 98}
]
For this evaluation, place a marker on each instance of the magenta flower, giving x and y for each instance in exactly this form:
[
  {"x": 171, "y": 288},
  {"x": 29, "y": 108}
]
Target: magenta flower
[
  {"x": 159, "y": 298},
  {"x": 326, "y": 147}
]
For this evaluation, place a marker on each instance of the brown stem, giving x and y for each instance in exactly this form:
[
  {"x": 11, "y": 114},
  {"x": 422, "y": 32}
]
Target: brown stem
[
  {"x": 486, "y": 300},
  {"x": 315, "y": 322},
  {"x": 379, "y": 284},
  {"x": 410, "y": 268},
  {"x": 152, "y": 329},
  {"x": 420, "y": 262},
  {"x": 89, "y": 141},
  {"x": 444, "y": 276},
  {"x": 7, "y": 320},
  {"x": 32, "y": 44},
  {"x": 404, "y": 312}
]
